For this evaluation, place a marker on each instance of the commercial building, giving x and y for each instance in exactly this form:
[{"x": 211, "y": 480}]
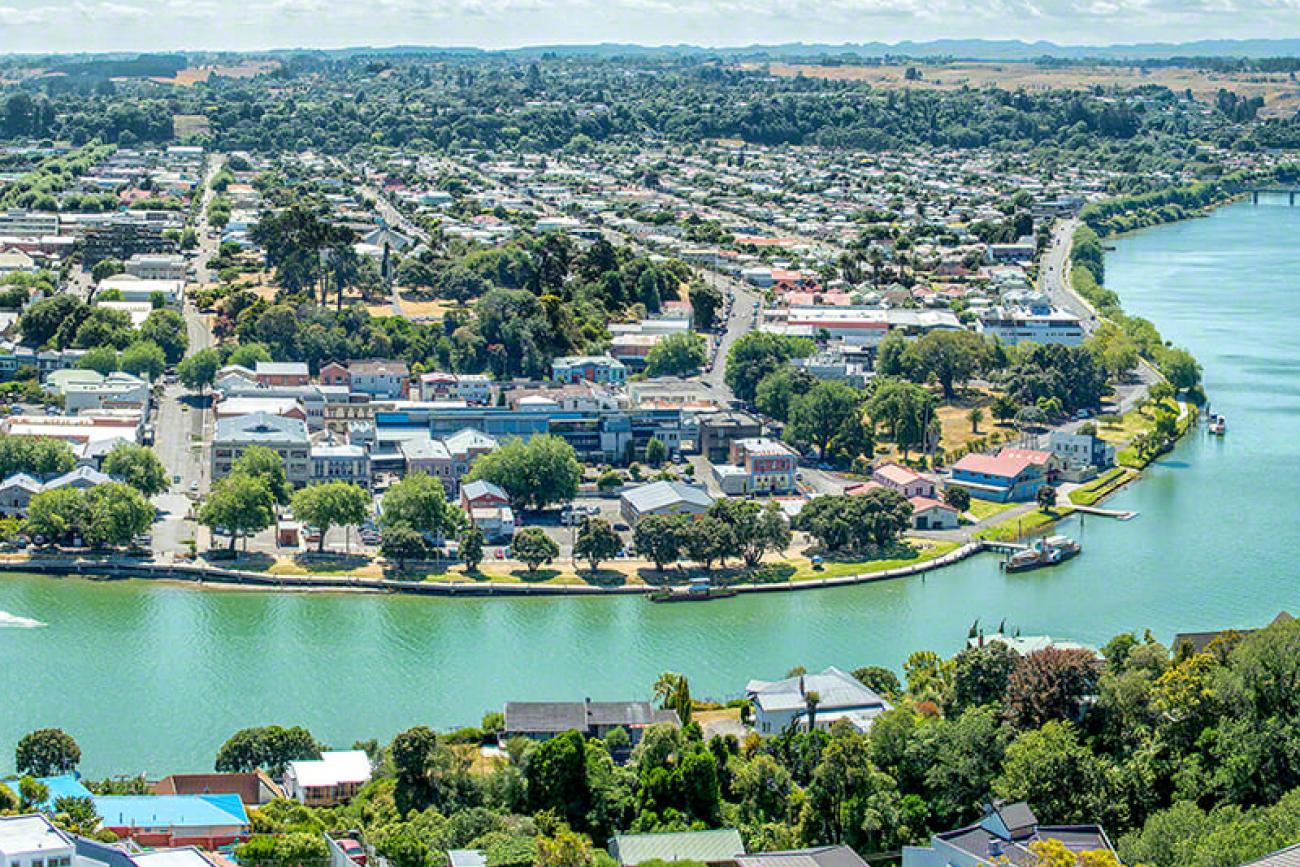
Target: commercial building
[
  {"x": 340, "y": 463},
  {"x": 1002, "y": 478},
  {"x": 591, "y": 368},
  {"x": 122, "y": 236},
  {"x": 769, "y": 465},
  {"x": 663, "y": 498},
  {"x": 138, "y": 289},
  {"x": 286, "y": 436},
  {"x": 157, "y": 266}
]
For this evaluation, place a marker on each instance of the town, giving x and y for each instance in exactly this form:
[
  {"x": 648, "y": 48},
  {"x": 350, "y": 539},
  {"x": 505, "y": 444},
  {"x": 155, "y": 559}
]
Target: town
[{"x": 582, "y": 358}]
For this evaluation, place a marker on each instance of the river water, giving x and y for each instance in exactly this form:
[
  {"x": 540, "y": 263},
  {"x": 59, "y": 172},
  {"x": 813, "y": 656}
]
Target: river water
[{"x": 154, "y": 677}]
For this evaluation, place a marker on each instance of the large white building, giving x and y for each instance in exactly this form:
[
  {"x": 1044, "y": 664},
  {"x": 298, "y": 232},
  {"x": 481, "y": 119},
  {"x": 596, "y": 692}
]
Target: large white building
[
  {"x": 834, "y": 694},
  {"x": 32, "y": 841},
  {"x": 332, "y": 779}
]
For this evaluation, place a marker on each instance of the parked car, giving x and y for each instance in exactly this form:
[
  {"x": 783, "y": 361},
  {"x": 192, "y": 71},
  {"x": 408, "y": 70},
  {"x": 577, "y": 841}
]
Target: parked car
[{"x": 353, "y": 850}]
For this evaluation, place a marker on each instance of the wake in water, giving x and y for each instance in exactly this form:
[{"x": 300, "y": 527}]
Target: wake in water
[{"x": 13, "y": 621}]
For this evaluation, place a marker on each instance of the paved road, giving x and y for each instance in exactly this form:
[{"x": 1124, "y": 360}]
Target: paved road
[
  {"x": 1054, "y": 274},
  {"x": 184, "y": 425}
]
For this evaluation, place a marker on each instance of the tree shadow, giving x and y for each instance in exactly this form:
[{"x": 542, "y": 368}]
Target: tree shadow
[
  {"x": 330, "y": 560},
  {"x": 251, "y": 561},
  {"x": 538, "y": 577},
  {"x": 602, "y": 577}
]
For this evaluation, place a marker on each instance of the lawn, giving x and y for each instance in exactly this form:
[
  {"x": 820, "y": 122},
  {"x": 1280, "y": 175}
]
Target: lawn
[
  {"x": 1102, "y": 486},
  {"x": 1131, "y": 424},
  {"x": 1022, "y": 526},
  {"x": 954, "y": 419},
  {"x": 925, "y": 550},
  {"x": 982, "y": 510}
]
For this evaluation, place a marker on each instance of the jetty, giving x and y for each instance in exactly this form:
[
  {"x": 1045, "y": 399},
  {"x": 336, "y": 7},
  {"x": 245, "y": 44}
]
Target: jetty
[
  {"x": 1289, "y": 192},
  {"x": 1117, "y": 514}
]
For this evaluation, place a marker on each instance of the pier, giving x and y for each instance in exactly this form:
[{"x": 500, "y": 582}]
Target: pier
[{"x": 1117, "y": 514}]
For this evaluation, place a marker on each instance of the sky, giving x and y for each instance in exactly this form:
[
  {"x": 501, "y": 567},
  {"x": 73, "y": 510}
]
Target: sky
[{"x": 34, "y": 26}]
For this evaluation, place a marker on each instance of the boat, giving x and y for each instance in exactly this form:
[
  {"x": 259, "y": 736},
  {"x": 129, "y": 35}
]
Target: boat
[
  {"x": 696, "y": 591},
  {"x": 1048, "y": 551},
  {"x": 1218, "y": 424}
]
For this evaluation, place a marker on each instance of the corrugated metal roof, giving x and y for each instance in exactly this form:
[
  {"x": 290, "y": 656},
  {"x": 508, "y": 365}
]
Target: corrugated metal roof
[{"x": 707, "y": 846}]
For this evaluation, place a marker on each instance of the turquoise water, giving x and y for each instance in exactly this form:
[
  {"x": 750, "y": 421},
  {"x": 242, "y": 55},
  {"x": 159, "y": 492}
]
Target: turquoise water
[{"x": 153, "y": 678}]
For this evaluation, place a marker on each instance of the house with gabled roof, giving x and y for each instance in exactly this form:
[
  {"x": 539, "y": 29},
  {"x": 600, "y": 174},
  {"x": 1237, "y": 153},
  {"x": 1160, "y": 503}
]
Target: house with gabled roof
[
  {"x": 1004, "y": 836},
  {"x": 822, "y": 697}
]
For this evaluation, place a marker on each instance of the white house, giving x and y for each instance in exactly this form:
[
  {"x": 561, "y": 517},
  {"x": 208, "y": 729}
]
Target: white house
[
  {"x": 783, "y": 703},
  {"x": 29, "y": 841},
  {"x": 332, "y": 779}
]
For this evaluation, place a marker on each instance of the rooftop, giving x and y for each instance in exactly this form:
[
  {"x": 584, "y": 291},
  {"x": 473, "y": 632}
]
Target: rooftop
[
  {"x": 333, "y": 768},
  {"x": 19, "y": 834},
  {"x": 708, "y": 846},
  {"x": 837, "y": 690}
]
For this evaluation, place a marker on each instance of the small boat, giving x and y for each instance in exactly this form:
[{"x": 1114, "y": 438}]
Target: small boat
[
  {"x": 1048, "y": 551},
  {"x": 696, "y": 591},
  {"x": 1218, "y": 424}
]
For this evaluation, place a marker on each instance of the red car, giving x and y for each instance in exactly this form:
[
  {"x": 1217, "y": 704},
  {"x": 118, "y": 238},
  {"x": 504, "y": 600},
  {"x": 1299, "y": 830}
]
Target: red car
[{"x": 353, "y": 850}]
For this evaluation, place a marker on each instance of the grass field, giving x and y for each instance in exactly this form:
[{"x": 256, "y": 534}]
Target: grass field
[
  {"x": 1131, "y": 424},
  {"x": 1023, "y": 526},
  {"x": 982, "y": 510},
  {"x": 1281, "y": 95},
  {"x": 196, "y": 74},
  {"x": 1103, "y": 485}
]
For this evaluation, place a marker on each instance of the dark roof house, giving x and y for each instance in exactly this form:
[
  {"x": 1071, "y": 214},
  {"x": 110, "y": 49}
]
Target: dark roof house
[
  {"x": 821, "y": 856},
  {"x": 545, "y": 719},
  {"x": 1003, "y": 836}
]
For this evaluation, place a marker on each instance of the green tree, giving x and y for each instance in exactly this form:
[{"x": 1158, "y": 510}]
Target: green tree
[
  {"x": 1046, "y": 498},
  {"x": 401, "y": 543},
  {"x": 105, "y": 268},
  {"x": 533, "y": 547},
  {"x": 818, "y": 416},
  {"x": 1054, "y": 769},
  {"x": 471, "y": 546},
  {"x": 906, "y": 410},
  {"x": 981, "y": 674},
  {"x": 143, "y": 358},
  {"x": 166, "y": 328},
  {"x": 1179, "y": 367},
  {"x": 248, "y": 355},
  {"x": 677, "y": 355},
  {"x": 597, "y": 541},
  {"x": 240, "y": 504},
  {"x": 655, "y": 452},
  {"x": 951, "y": 357},
  {"x": 199, "y": 371},
  {"x": 101, "y": 359},
  {"x": 47, "y": 753},
  {"x": 777, "y": 391},
  {"x": 419, "y": 501},
  {"x": 660, "y": 538},
  {"x": 269, "y": 748},
  {"x": 57, "y": 515},
  {"x": 1050, "y": 684},
  {"x": 265, "y": 464},
  {"x": 757, "y": 354},
  {"x": 412, "y": 754},
  {"x": 707, "y": 539},
  {"x": 331, "y": 504},
  {"x": 706, "y": 301},
  {"x": 534, "y": 473},
  {"x": 556, "y": 774},
  {"x": 138, "y": 466},
  {"x": 115, "y": 514},
  {"x": 957, "y": 497}
]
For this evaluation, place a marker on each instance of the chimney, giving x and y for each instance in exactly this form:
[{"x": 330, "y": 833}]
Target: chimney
[
  {"x": 801, "y": 691},
  {"x": 995, "y": 847}
]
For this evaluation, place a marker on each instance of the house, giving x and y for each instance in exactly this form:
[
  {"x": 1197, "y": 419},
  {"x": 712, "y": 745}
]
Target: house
[
  {"x": 931, "y": 514},
  {"x": 591, "y": 368},
  {"x": 906, "y": 481},
  {"x": 783, "y": 703},
  {"x": 206, "y": 821},
  {"x": 26, "y": 841},
  {"x": 1288, "y": 857},
  {"x": 466, "y": 858},
  {"x": 488, "y": 507},
  {"x": 1002, "y": 478},
  {"x": 820, "y": 856},
  {"x": 286, "y": 436},
  {"x": 379, "y": 378},
  {"x": 332, "y": 779},
  {"x": 1080, "y": 453},
  {"x": 1189, "y": 643},
  {"x": 718, "y": 848},
  {"x": 769, "y": 466},
  {"x": 275, "y": 373},
  {"x": 542, "y": 720},
  {"x": 16, "y": 494},
  {"x": 1003, "y": 836},
  {"x": 254, "y": 789},
  {"x": 663, "y": 498}
]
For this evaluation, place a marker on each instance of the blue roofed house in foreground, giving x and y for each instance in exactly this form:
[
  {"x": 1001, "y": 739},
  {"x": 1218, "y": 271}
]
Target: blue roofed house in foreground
[
  {"x": 206, "y": 821},
  {"x": 1004, "y": 836}
]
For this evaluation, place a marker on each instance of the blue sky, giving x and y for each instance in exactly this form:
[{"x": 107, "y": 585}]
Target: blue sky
[{"x": 135, "y": 25}]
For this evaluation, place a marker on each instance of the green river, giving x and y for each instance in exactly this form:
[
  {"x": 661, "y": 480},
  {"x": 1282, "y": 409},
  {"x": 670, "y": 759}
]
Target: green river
[{"x": 154, "y": 677}]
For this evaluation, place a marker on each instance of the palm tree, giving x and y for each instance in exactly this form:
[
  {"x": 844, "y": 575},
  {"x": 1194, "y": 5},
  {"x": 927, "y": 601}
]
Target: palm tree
[
  {"x": 811, "y": 699},
  {"x": 976, "y": 416}
]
